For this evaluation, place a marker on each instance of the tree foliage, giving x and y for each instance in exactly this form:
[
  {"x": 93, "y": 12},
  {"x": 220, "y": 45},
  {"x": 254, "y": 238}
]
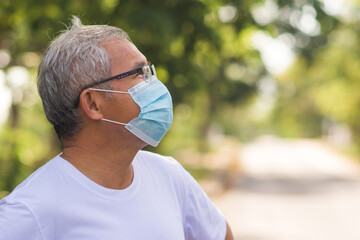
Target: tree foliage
[{"x": 203, "y": 51}]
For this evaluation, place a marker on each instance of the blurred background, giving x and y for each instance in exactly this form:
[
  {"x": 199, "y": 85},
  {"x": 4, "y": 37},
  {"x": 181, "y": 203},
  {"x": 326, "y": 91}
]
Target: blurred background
[{"x": 266, "y": 102}]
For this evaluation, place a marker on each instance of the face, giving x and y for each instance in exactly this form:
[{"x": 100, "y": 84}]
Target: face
[{"x": 124, "y": 57}]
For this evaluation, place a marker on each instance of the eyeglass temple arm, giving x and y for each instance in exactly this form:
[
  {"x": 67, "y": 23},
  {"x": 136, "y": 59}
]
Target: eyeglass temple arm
[{"x": 122, "y": 75}]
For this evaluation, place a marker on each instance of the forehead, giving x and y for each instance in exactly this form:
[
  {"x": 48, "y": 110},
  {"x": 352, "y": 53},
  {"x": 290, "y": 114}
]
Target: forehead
[{"x": 124, "y": 55}]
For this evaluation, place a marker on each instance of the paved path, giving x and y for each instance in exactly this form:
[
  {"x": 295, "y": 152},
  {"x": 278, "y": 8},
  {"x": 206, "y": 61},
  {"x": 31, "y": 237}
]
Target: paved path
[{"x": 293, "y": 190}]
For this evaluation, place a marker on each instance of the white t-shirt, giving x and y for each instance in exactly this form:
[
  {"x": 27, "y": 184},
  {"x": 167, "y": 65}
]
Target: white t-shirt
[{"x": 58, "y": 202}]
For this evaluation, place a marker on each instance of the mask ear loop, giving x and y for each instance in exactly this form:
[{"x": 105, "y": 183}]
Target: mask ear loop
[
  {"x": 105, "y": 90},
  {"x": 110, "y": 91},
  {"x": 107, "y": 120}
]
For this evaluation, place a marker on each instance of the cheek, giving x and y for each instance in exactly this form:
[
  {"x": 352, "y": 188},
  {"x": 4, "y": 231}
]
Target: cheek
[
  {"x": 128, "y": 83},
  {"x": 135, "y": 109},
  {"x": 121, "y": 109},
  {"x": 130, "y": 111}
]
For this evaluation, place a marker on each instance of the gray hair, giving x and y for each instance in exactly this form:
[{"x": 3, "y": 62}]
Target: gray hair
[{"x": 73, "y": 60}]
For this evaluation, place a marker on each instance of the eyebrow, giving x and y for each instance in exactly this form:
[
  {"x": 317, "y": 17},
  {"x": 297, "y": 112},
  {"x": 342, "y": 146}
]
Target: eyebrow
[{"x": 141, "y": 64}]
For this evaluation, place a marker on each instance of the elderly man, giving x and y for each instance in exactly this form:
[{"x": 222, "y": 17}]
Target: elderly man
[{"x": 105, "y": 102}]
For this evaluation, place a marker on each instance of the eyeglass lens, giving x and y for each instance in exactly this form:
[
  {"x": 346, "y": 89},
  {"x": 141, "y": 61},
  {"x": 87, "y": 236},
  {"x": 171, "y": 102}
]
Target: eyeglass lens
[{"x": 148, "y": 72}]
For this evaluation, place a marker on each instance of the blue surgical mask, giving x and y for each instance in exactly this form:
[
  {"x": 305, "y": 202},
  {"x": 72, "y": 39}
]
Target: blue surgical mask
[{"x": 156, "y": 113}]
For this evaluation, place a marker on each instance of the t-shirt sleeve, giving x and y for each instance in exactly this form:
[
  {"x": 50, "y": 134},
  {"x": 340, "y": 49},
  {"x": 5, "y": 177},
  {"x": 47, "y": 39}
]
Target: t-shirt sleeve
[
  {"x": 17, "y": 222},
  {"x": 202, "y": 219}
]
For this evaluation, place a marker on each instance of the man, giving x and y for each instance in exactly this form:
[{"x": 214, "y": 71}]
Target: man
[{"x": 106, "y": 104}]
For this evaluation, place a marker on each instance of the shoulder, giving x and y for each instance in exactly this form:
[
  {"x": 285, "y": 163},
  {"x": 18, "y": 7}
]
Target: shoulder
[
  {"x": 19, "y": 211},
  {"x": 201, "y": 218},
  {"x": 162, "y": 169},
  {"x": 17, "y": 221},
  {"x": 38, "y": 185}
]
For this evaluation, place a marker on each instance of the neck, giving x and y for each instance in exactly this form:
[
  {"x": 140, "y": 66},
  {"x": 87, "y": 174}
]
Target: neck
[{"x": 105, "y": 167}]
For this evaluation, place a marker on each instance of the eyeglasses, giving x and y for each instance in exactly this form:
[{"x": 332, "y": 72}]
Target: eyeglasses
[{"x": 147, "y": 71}]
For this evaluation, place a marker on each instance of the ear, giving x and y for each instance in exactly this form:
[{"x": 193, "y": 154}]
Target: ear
[{"x": 89, "y": 103}]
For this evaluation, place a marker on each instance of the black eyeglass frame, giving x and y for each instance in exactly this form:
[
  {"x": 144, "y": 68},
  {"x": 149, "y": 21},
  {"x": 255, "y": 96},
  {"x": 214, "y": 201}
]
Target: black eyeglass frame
[{"x": 119, "y": 76}]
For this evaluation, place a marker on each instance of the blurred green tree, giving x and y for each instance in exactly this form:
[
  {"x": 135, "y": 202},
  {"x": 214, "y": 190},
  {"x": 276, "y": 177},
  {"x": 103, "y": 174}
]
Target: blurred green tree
[
  {"x": 325, "y": 93},
  {"x": 318, "y": 94},
  {"x": 202, "y": 49}
]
